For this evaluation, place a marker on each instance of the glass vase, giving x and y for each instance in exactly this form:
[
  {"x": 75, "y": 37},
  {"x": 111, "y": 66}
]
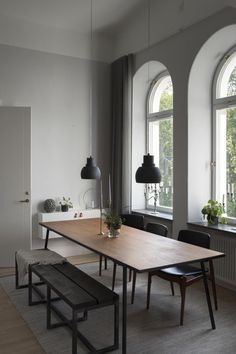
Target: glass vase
[{"x": 111, "y": 233}]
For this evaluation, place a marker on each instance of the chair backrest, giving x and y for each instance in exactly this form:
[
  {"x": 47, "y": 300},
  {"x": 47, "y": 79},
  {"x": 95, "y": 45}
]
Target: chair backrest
[
  {"x": 196, "y": 238},
  {"x": 136, "y": 221},
  {"x": 158, "y": 229}
]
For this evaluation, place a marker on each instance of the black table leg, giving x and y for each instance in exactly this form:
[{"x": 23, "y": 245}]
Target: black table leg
[
  {"x": 208, "y": 296},
  {"x": 46, "y": 240},
  {"x": 124, "y": 311}
]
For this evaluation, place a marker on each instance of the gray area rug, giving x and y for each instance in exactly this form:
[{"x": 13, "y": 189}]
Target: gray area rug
[{"x": 149, "y": 332}]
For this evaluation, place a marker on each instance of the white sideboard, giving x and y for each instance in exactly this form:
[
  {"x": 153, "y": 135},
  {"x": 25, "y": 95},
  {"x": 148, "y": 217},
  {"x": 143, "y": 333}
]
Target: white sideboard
[{"x": 68, "y": 215}]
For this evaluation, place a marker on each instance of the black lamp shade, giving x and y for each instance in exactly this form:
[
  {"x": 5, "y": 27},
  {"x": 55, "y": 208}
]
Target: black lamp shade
[
  {"x": 90, "y": 171},
  {"x": 148, "y": 172}
]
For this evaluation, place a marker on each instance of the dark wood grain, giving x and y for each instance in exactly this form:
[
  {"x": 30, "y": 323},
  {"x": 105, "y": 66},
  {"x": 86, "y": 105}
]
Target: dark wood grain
[{"x": 134, "y": 248}]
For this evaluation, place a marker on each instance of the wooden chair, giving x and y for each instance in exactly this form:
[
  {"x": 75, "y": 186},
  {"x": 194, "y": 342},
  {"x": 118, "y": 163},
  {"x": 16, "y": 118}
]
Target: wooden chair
[
  {"x": 187, "y": 274},
  {"x": 158, "y": 229},
  {"x": 132, "y": 220}
]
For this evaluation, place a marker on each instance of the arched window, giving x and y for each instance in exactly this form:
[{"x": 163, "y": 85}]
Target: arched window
[
  {"x": 224, "y": 134},
  {"x": 160, "y": 136}
]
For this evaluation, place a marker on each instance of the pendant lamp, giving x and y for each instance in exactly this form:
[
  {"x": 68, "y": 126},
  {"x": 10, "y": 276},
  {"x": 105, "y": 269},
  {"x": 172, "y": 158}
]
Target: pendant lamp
[
  {"x": 148, "y": 172},
  {"x": 91, "y": 170}
]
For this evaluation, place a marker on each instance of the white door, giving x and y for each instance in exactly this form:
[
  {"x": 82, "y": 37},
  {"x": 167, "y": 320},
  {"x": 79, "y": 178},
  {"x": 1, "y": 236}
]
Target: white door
[{"x": 15, "y": 206}]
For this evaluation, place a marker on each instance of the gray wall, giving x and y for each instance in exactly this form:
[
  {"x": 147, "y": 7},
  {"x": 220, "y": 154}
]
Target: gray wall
[
  {"x": 56, "y": 87},
  {"x": 167, "y": 18}
]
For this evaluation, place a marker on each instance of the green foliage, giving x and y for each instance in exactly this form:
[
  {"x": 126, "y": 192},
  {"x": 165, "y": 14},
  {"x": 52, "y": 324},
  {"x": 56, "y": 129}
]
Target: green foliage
[
  {"x": 112, "y": 220},
  {"x": 166, "y": 101},
  {"x": 231, "y": 90},
  {"x": 230, "y": 148},
  {"x": 212, "y": 209},
  {"x": 166, "y": 149},
  {"x": 66, "y": 201}
]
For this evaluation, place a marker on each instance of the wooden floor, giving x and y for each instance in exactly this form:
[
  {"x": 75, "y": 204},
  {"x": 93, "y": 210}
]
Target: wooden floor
[
  {"x": 5, "y": 272},
  {"x": 15, "y": 335}
]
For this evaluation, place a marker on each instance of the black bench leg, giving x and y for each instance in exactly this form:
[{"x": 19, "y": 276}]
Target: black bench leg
[
  {"x": 48, "y": 307},
  {"x": 29, "y": 286},
  {"x": 116, "y": 324},
  {"x": 16, "y": 273},
  {"x": 74, "y": 332}
]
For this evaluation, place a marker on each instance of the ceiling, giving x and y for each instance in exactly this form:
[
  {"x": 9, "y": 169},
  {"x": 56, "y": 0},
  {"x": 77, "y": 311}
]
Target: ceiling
[{"x": 108, "y": 15}]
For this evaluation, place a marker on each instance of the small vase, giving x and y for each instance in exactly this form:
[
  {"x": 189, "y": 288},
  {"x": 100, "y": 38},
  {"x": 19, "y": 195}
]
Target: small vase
[
  {"x": 212, "y": 220},
  {"x": 113, "y": 233},
  {"x": 64, "y": 207}
]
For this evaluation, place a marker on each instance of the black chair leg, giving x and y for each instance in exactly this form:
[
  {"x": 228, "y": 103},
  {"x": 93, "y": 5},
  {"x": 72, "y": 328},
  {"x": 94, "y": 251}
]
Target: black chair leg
[
  {"x": 182, "y": 292},
  {"x": 100, "y": 265},
  {"x": 105, "y": 261},
  {"x": 149, "y": 289},
  {"x": 130, "y": 275},
  {"x": 133, "y": 286},
  {"x": 172, "y": 288},
  {"x": 212, "y": 275},
  {"x": 114, "y": 276}
]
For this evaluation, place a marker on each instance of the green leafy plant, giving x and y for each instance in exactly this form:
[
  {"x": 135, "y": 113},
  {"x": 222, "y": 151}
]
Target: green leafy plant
[
  {"x": 213, "y": 210},
  {"x": 66, "y": 201},
  {"x": 112, "y": 220}
]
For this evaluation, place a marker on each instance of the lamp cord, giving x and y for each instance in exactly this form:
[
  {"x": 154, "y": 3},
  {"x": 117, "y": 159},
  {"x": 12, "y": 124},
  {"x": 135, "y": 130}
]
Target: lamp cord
[
  {"x": 148, "y": 33},
  {"x": 91, "y": 79}
]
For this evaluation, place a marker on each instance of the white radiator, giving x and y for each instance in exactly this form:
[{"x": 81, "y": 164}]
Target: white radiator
[{"x": 225, "y": 268}]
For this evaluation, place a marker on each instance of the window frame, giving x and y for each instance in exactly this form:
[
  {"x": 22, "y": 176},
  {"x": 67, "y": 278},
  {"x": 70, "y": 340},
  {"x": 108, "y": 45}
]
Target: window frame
[
  {"x": 156, "y": 116},
  {"x": 218, "y": 104}
]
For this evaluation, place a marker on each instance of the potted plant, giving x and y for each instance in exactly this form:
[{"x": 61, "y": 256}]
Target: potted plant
[
  {"x": 66, "y": 204},
  {"x": 113, "y": 222},
  {"x": 213, "y": 210}
]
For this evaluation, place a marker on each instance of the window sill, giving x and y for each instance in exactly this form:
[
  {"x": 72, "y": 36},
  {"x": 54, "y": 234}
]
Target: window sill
[
  {"x": 157, "y": 215},
  {"x": 220, "y": 227}
]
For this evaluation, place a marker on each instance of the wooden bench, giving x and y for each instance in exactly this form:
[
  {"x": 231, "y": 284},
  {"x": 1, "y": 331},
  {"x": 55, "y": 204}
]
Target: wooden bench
[{"x": 82, "y": 293}]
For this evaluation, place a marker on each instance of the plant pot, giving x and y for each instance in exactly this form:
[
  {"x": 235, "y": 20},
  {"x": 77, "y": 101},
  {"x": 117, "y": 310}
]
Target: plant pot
[
  {"x": 113, "y": 232},
  {"x": 212, "y": 220},
  {"x": 64, "y": 207}
]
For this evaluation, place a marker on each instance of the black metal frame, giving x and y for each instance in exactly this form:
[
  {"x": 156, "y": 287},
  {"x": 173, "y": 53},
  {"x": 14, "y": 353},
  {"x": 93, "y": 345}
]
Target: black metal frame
[
  {"x": 72, "y": 323},
  {"x": 124, "y": 298}
]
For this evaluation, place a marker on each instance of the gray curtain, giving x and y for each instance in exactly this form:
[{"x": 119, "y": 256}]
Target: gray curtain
[{"x": 122, "y": 77}]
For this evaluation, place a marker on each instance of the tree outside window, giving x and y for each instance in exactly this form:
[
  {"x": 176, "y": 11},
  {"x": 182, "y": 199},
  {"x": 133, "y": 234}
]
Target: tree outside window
[
  {"x": 224, "y": 150},
  {"x": 160, "y": 136}
]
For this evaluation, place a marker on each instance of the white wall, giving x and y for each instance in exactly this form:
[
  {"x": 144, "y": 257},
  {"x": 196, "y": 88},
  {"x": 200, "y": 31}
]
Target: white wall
[
  {"x": 24, "y": 34},
  {"x": 200, "y": 118},
  {"x": 167, "y": 17},
  {"x": 56, "y": 88},
  {"x": 177, "y": 54}
]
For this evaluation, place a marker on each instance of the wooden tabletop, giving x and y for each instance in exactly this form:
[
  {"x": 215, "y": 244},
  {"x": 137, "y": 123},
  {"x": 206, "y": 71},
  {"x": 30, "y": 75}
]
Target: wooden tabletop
[{"x": 140, "y": 250}]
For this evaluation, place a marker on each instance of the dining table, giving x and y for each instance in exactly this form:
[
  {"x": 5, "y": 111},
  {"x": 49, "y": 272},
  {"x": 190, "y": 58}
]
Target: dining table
[{"x": 136, "y": 250}]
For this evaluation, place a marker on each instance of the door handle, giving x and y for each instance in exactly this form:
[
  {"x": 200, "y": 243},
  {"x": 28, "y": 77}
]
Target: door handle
[{"x": 24, "y": 201}]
